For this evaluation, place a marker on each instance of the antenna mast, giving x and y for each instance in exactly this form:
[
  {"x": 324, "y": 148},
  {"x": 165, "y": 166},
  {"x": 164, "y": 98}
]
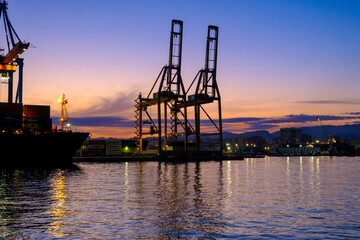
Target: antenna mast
[{"x": 64, "y": 114}]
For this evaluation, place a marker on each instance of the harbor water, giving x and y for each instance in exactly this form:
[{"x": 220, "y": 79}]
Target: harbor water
[{"x": 254, "y": 198}]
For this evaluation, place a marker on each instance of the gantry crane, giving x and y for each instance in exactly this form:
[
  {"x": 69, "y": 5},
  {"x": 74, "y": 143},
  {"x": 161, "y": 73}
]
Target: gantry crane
[
  {"x": 167, "y": 94},
  {"x": 10, "y": 56},
  {"x": 206, "y": 92}
]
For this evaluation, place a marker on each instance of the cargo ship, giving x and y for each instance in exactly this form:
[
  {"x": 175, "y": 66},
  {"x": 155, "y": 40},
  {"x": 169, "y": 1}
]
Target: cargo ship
[{"x": 28, "y": 138}]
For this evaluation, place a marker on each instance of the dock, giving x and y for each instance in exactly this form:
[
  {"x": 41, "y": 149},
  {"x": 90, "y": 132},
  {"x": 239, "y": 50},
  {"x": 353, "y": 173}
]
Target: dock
[{"x": 159, "y": 158}]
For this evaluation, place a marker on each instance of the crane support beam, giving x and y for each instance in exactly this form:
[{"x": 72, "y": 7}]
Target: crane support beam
[
  {"x": 165, "y": 95},
  {"x": 207, "y": 90},
  {"x": 7, "y": 68}
]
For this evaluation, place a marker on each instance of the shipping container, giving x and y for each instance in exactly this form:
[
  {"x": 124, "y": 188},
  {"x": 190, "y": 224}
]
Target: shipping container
[
  {"x": 37, "y": 111},
  {"x": 40, "y": 124},
  {"x": 11, "y": 115},
  {"x": 96, "y": 148},
  {"x": 12, "y": 109},
  {"x": 113, "y": 147}
]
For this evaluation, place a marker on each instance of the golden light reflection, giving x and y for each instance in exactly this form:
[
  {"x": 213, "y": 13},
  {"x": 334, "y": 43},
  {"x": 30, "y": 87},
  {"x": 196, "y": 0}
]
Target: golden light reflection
[
  {"x": 228, "y": 179},
  {"x": 301, "y": 173},
  {"x": 58, "y": 208},
  {"x": 310, "y": 182},
  {"x": 126, "y": 184},
  {"x": 317, "y": 168},
  {"x": 288, "y": 176},
  {"x": 288, "y": 172},
  {"x": 250, "y": 165},
  {"x": 246, "y": 173}
]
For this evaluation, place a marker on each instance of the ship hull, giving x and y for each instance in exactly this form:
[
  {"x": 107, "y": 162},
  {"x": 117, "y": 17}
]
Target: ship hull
[{"x": 50, "y": 149}]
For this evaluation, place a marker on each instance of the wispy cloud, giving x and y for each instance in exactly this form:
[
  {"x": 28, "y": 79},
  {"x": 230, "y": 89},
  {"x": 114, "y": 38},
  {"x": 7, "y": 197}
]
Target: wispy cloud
[
  {"x": 103, "y": 121},
  {"x": 353, "y": 101},
  {"x": 353, "y": 113},
  {"x": 243, "y": 119},
  {"x": 110, "y": 106},
  {"x": 303, "y": 118},
  {"x": 292, "y": 118}
]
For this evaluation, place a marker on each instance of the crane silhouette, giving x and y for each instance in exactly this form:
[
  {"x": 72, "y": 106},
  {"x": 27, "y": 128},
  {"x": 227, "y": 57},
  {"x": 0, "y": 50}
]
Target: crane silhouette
[{"x": 10, "y": 55}]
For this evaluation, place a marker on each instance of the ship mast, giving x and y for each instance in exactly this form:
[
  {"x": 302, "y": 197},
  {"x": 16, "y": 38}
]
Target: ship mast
[{"x": 64, "y": 119}]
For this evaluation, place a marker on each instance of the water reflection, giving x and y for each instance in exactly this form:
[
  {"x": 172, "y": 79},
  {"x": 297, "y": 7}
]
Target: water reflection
[
  {"x": 228, "y": 179},
  {"x": 21, "y": 196},
  {"x": 58, "y": 209},
  {"x": 188, "y": 200},
  {"x": 126, "y": 185},
  {"x": 27, "y": 197},
  {"x": 7, "y": 216},
  {"x": 295, "y": 197}
]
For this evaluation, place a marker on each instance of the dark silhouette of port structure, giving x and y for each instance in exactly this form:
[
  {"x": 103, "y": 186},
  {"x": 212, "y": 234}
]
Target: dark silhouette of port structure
[{"x": 164, "y": 112}]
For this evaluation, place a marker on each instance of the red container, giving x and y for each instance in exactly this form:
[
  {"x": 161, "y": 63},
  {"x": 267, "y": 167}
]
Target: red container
[{"x": 37, "y": 111}]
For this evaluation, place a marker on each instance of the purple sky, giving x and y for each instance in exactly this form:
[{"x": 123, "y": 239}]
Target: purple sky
[{"x": 280, "y": 63}]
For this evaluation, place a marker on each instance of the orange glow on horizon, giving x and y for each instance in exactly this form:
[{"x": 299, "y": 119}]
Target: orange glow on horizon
[{"x": 236, "y": 128}]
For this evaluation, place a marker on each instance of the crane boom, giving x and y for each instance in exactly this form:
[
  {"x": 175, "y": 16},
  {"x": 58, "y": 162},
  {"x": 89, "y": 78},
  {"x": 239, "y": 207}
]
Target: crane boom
[
  {"x": 14, "y": 44},
  {"x": 15, "y": 52}
]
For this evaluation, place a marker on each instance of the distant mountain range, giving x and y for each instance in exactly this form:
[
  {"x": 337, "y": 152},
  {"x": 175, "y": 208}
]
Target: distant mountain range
[
  {"x": 348, "y": 132},
  {"x": 344, "y": 132}
]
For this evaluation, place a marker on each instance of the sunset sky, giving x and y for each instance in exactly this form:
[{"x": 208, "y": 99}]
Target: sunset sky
[{"x": 280, "y": 63}]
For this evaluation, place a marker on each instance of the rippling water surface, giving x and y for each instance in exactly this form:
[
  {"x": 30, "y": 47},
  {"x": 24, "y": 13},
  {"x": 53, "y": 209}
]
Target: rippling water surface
[{"x": 271, "y": 197}]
